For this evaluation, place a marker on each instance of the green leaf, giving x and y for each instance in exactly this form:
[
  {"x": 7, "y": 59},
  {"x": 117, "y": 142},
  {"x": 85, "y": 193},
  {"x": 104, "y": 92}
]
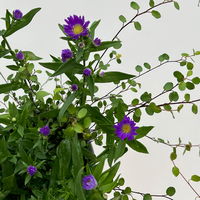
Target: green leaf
[
  {"x": 52, "y": 66},
  {"x": 90, "y": 82},
  {"x": 78, "y": 186},
  {"x": 168, "y": 86},
  {"x": 120, "y": 149},
  {"x": 31, "y": 56},
  {"x": 137, "y": 26},
  {"x": 179, "y": 76},
  {"x": 4, "y": 152},
  {"x": 173, "y": 156},
  {"x": 27, "y": 179},
  {"x": 163, "y": 57},
  {"x": 143, "y": 131},
  {"x": 173, "y": 96},
  {"x": 151, "y": 3},
  {"x": 156, "y": 14},
  {"x": 182, "y": 86},
  {"x": 134, "y": 5},
  {"x": 147, "y": 65},
  {"x": 147, "y": 197},
  {"x": 187, "y": 97},
  {"x": 137, "y": 146},
  {"x": 196, "y": 80},
  {"x": 22, "y": 23},
  {"x": 195, "y": 178},
  {"x": 3, "y": 53},
  {"x": 99, "y": 168},
  {"x": 176, "y": 5},
  {"x": 66, "y": 104},
  {"x": 146, "y": 97},
  {"x": 194, "y": 109},
  {"x": 4, "y": 88},
  {"x": 138, "y": 68},
  {"x": 93, "y": 28},
  {"x": 82, "y": 113},
  {"x": 41, "y": 94},
  {"x": 106, "y": 45},
  {"x": 175, "y": 171},
  {"x": 122, "y": 18},
  {"x": 69, "y": 67},
  {"x": 113, "y": 77},
  {"x": 170, "y": 191},
  {"x": 189, "y": 65},
  {"x": 190, "y": 85}
]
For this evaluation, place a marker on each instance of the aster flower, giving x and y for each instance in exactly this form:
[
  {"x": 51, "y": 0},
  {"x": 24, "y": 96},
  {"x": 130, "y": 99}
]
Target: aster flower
[
  {"x": 76, "y": 27},
  {"x": 31, "y": 170},
  {"x": 87, "y": 72},
  {"x": 74, "y": 87},
  {"x": 20, "y": 55},
  {"x": 126, "y": 129},
  {"x": 89, "y": 182},
  {"x": 101, "y": 74},
  {"x": 17, "y": 14},
  {"x": 66, "y": 54},
  {"x": 45, "y": 130},
  {"x": 97, "y": 42}
]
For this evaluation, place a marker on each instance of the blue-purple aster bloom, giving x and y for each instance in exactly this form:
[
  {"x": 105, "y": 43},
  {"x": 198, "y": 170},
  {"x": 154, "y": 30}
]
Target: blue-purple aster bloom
[
  {"x": 76, "y": 27},
  {"x": 66, "y": 54},
  {"x": 126, "y": 129},
  {"x": 74, "y": 87},
  {"x": 89, "y": 182},
  {"x": 45, "y": 130},
  {"x": 87, "y": 72},
  {"x": 97, "y": 42},
  {"x": 31, "y": 170},
  {"x": 17, "y": 14},
  {"x": 20, "y": 55}
]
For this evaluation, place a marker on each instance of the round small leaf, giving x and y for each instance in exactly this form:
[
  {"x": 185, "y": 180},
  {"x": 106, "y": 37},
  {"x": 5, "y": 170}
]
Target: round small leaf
[
  {"x": 175, "y": 171},
  {"x": 170, "y": 191},
  {"x": 138, "y": 68},
  {"x": 195, "y": 178},
  {"x": 147, "y": 197},
  {"x": 194, "y": 109},
  {"x": 168, "y": 86},
  {"x": 134, "y": 5},
  {"x": 82, "y": 113},
  {"x": 137, "y": 26},
  {"x": 122, "y": 18}
]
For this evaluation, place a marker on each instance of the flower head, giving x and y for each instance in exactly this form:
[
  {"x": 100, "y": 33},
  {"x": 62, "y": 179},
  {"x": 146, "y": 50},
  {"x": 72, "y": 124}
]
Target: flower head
[
  {"x": 87, "y": 72},
  {"x": 20, "y": 55},
  {"x": 66, "y": 54},
  {"x": 17, "y": 14},
  {"x": 76, "y": 27},
  {"x": 74, "y": 87},
  {"x": 45, "y": 130},
  {"x": 97, "y": 42},
  {"x": 31, "y": 170},
  {"x": 126, "y": 129},
  {"x": 89, "y": 182},
  {"x": 101, "y": 74}
]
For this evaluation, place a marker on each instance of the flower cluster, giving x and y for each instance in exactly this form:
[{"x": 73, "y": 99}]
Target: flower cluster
[
  {"x": 31, "y": 170},
  {"x": 89, "y": 182}
]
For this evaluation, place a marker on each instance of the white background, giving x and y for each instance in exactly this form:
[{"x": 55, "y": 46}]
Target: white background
[{"x": 176, "y": 32}]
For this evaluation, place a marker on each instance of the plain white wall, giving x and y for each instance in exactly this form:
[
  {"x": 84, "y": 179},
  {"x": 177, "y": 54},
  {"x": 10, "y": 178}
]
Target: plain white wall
[{"x": 176, "y": 32}]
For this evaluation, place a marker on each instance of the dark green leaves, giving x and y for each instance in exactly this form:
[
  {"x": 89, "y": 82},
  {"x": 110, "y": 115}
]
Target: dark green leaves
[
  {"x": 147, "y": 197},
  {"x": 70, "y": 67},
  {"x": 3, "y": 53},
  {"x": 4, "y": 88},
  {"x": 194, "y": 108},
  {"x": 151, "y": 3},
  {"x": 175, "y": 171},
  {"x": 113, "y": 77},
  {"x": 170, "y": 191},
  {"x": 31, "y": 56},
  {"x": 21, "y": 23},
  {"x": 179, "y": 76},
  {"x": 93, "y": 28},
  {"x": 173, "y": 96},
  {"x": 176, "y": 5},
  {"x": 137, "y": 146},
  {"x": 156, "y": 14},
  {"x": 134, "y": 5}
]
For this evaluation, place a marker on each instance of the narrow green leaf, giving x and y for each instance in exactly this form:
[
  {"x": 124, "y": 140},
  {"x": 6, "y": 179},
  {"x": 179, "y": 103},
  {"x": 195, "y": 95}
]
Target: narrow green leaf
[
  {"x": 93, "y": 28},
  {"x": 137, "y": 146},
  {"x": 31, "y": 56},
  {"x": 195, "y": 178},
  {"x": 106, "y": 45},
  {"x": 143, "y": 131},
  {"x": 176, "y": 5},
  {"x": 22, "y": 23}
]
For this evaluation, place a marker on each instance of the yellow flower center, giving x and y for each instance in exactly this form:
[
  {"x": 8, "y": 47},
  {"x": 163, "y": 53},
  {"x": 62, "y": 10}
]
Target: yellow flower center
[
  {"x": 126, "y": 128},
  {"x": 77, "y": 29}
]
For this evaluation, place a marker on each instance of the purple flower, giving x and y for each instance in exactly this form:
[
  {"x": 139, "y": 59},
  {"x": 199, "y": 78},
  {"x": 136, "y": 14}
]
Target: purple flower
[
  {"x": 20, "y": 55},
  {"x": 87, "y": 72},
  {"x": 74, "y": 87},
  {"x": 31, "y": 170},
  {"x": 101, "y": 74},
  {"x": 66, "y": 54},
  {"x": 89, "y": 182},
  {"x": 97, "y": 42},
  {"x": 126, "y": 129},
  {"x": 45, "y": 130},
  {"x": 76, "y": 27},
  {"x": 17, "y": 14}
]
